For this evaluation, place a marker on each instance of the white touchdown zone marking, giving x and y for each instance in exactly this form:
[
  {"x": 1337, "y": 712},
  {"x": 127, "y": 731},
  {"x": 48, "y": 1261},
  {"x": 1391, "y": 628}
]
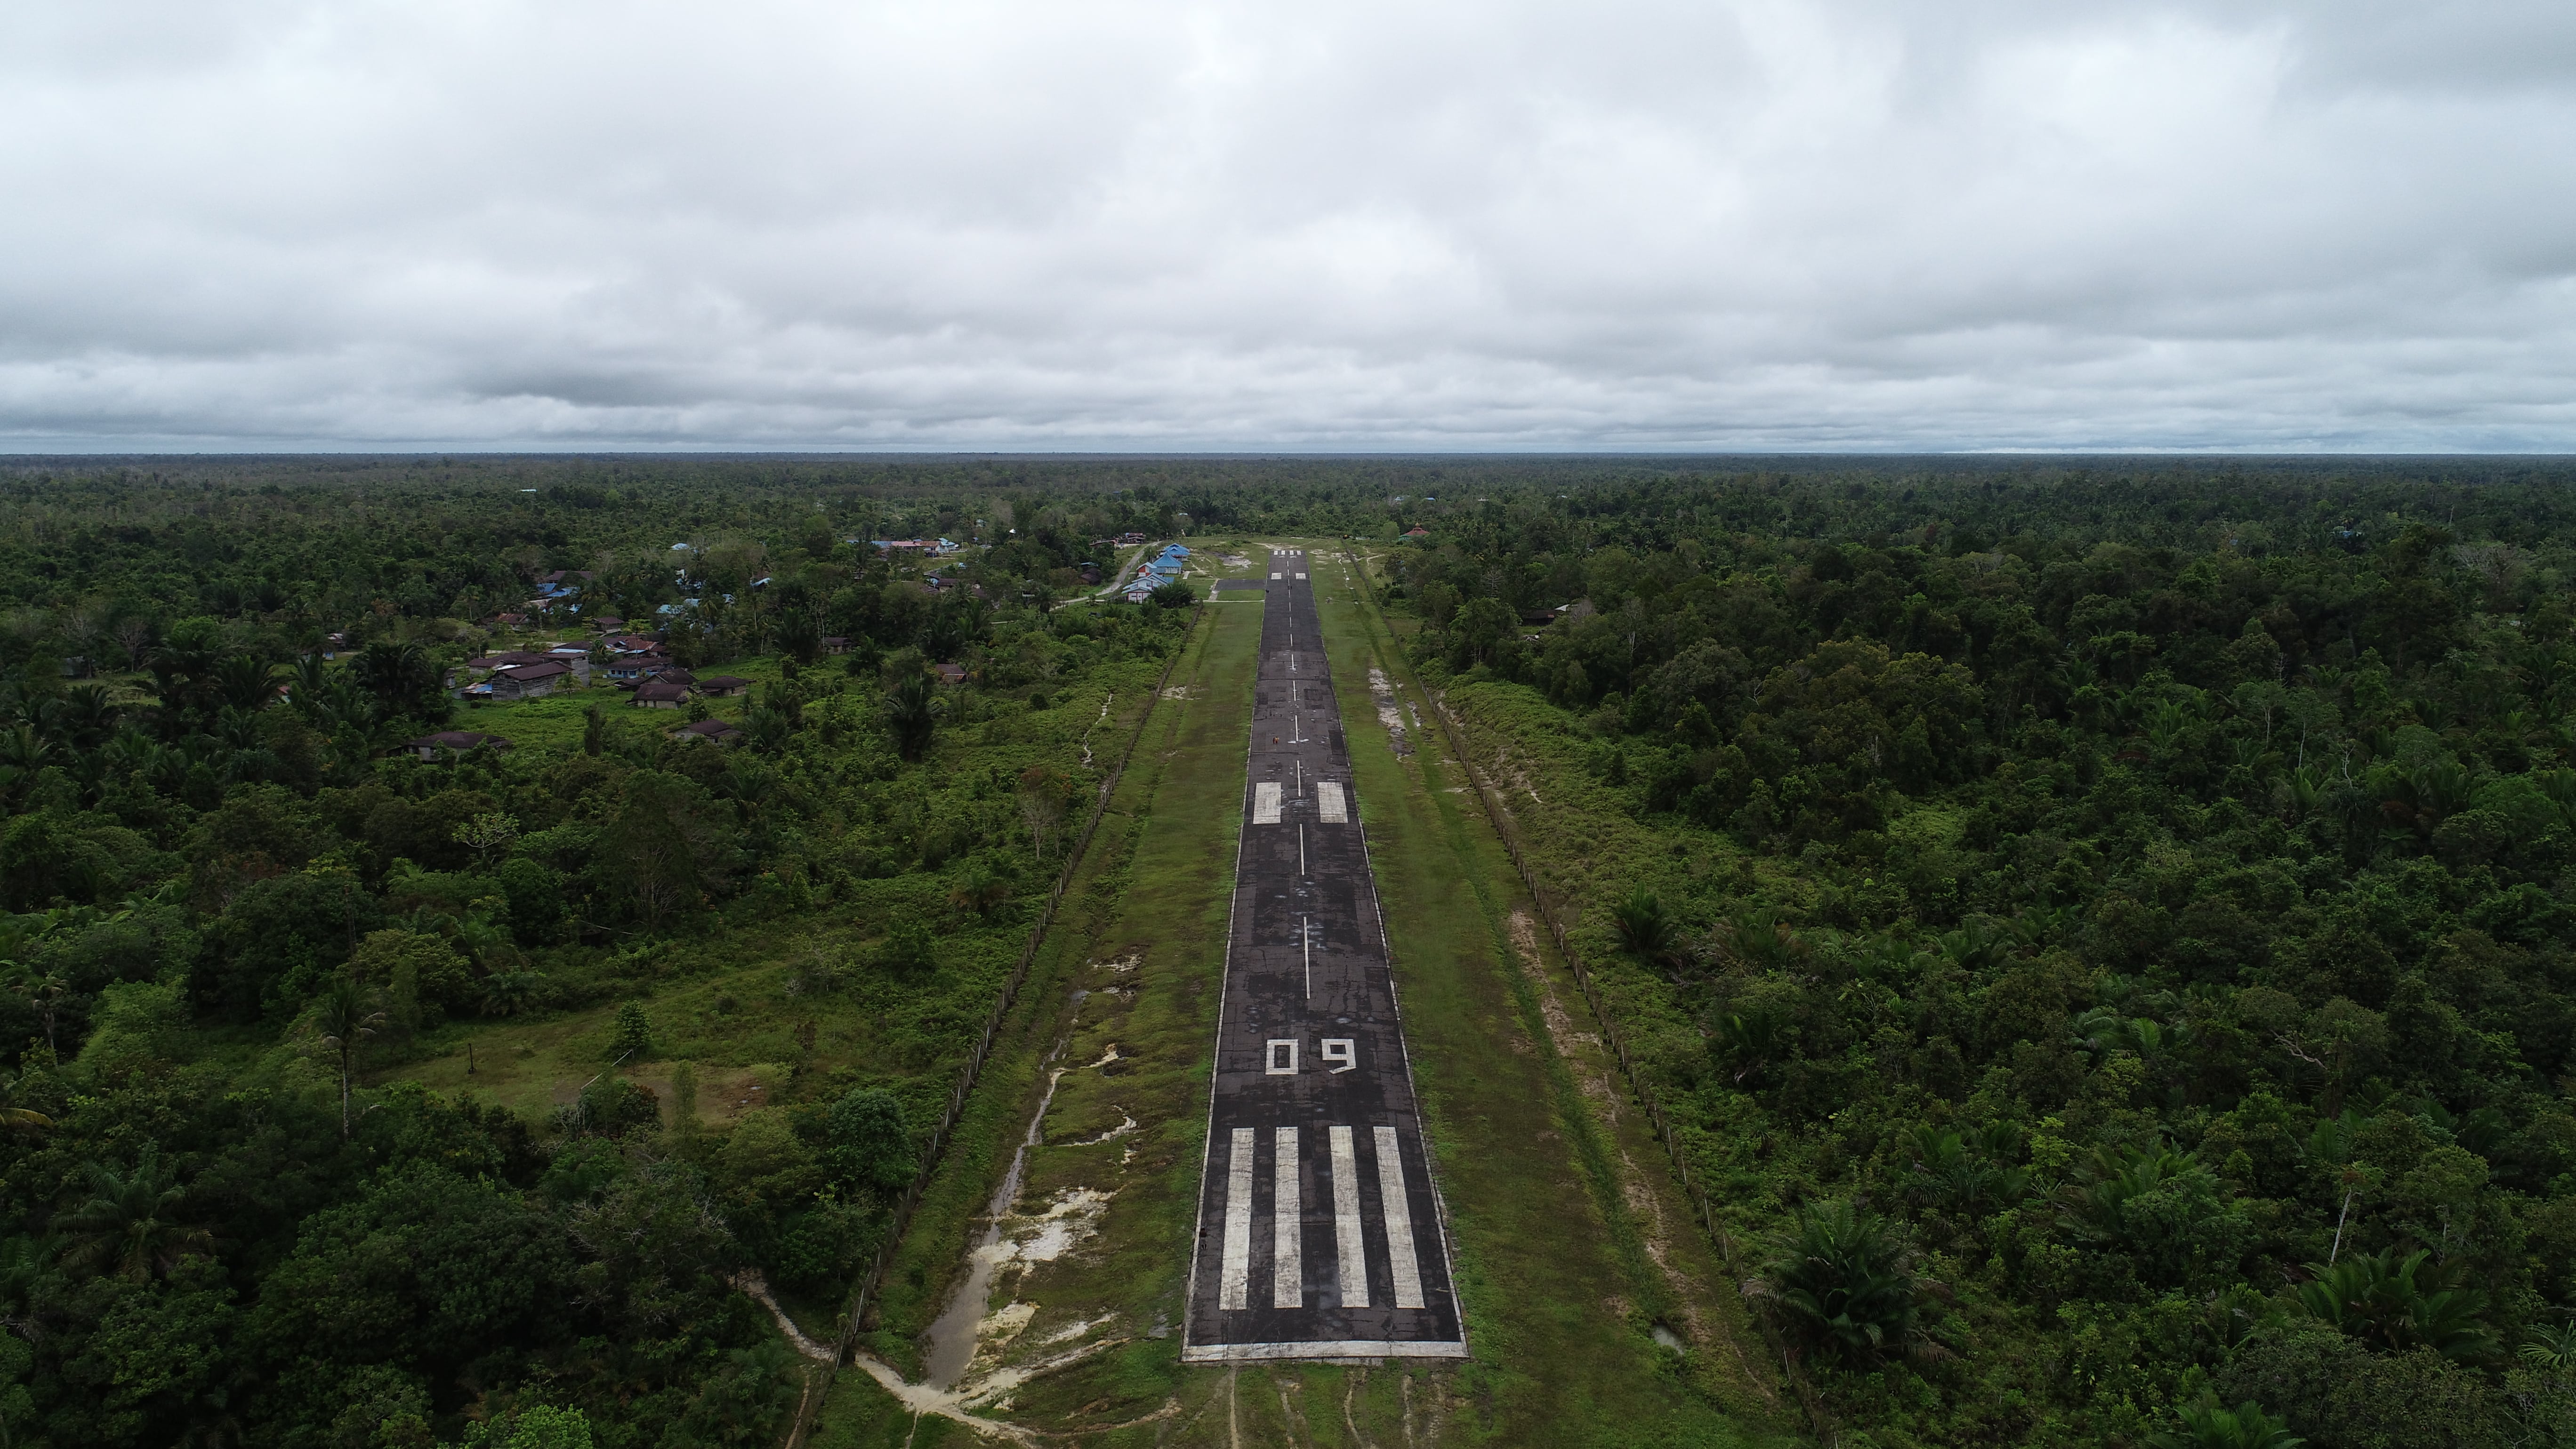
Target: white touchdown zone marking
[
  {"x": 1402, "y": 1265},
  {"x": 1330, "y": 807},
  {"x": 1287, "y": 1221},
  {"x": 1265, "y": 802},
  {"x": 1346, "y": 1220},
  {"x": 1234, "y": 1285}
]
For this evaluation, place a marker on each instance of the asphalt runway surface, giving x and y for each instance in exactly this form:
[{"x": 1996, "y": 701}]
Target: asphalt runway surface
[{"x": 1320, "y": 1232}]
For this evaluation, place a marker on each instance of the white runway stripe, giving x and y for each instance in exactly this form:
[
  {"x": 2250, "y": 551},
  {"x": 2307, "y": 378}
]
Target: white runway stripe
[
  {"x": 1328, "y": 803},
  {"x": 1287, "y": 1218},
  {"x": 1346, "y": 1220},
  {"x": 1402, "y": 1265},
  {"x": 1234, "y": 1287},
  {"x": 1265, "y": 803}
]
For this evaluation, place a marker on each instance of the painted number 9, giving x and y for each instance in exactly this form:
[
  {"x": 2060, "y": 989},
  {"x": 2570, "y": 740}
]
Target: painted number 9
[{"x": 1342, "y": 1052}]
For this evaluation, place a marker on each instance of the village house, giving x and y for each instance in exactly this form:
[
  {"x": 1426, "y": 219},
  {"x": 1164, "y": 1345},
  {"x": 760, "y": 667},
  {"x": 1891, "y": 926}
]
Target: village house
[
  {"x": 723, "y": 686},
  {"x": 714, "y": 731},
  {"x": 528, "y": 681},
  {"x": 632, "y": 668},
  {"x": 661, "y": 694},
  {"x": 459, "y": 741}
]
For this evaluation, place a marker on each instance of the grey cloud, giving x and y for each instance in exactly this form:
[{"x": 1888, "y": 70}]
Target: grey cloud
[{"x": 1443, "y": 225}]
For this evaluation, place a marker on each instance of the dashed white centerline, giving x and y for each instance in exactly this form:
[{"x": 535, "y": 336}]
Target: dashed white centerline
[
  {"x": 1235, "y": 1285},
  {"x": 1401, "y": 1265},
  {"x": 1346, "y": 1220},
  {"x": 1287, "y": 1268}
]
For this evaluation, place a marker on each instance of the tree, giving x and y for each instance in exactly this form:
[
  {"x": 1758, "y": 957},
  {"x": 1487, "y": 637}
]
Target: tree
[
  {"x": 510, "y": 989},
  {"x": 402, "y": 680},
  {"x": 1646, "y": 930},
  {"x": 871, "y": 1146},
  {"x": 488, "y": 834},
  {"x": 1844, "y": 1280},
  {"x": 129, "y": 1225},
  {"x": 15, "y": 1115},
  {"x": 538, "y": 1426},
  {"x": 2207, "y": 1425},
  {"x": 2550, "y": 1348},
  {"x": 660, "y": 847},
  {"x": 2399, "y": 1303},
  {"x": 344, "y": 1016},
  {"x": 912, "y": 711},
  {"x": 634, "y": 1037},
  {"x": 1045, "y": 794}
]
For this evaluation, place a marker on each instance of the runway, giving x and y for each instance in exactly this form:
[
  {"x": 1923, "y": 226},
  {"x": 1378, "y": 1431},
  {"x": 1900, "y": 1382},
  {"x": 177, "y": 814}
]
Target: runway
[{"x": 1320, "y": 1233}]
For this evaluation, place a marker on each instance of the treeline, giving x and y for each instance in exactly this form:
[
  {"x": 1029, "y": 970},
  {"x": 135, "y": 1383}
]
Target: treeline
[{"x": 2108, "y": 938}]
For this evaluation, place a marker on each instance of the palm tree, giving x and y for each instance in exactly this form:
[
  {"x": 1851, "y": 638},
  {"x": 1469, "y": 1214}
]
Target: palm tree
[
  {"x": 1646, "y": 930},
  {"x": 2399, "y": 1303},
  {"x": 400, "y": 676},
  {"x": 1846, "y": 1280},
  {"x": 246, "y": 682},
  {"x": 346, "y": 1015},
  {"x": 129, "y": 1225},
  {"x": 16, "y": 1118},
  {"x": 2551, "y": 1348},
  {"x": 507, "y": 990},
  {"x": 912, "y": 709},
  {"x": 2207, "y": 1426}
]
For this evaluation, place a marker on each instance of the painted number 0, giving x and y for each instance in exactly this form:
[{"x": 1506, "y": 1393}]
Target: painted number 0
[
  {"x": 1282, "y": 1060},
  {"x": 1342, "y": 1052}
]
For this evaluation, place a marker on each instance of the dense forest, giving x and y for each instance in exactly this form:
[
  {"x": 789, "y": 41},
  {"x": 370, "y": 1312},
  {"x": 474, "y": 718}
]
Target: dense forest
[
  {"x": 238, "y": 906},
  {"x": 2107, "y": 936},
  {"x": 2103, "y": 927}
]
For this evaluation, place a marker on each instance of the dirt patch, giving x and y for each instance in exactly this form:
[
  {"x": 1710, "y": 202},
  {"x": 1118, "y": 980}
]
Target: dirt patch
[{"x": 1382, "y": 694}]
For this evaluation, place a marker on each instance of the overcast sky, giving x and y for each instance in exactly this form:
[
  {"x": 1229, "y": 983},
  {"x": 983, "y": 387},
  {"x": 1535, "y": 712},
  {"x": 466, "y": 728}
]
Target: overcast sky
[{"x": 1968, "y": 224}]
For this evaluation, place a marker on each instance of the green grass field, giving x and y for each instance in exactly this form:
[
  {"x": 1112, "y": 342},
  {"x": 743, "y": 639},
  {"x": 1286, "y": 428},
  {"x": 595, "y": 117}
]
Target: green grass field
[{"x": 1570, "y": 1254}]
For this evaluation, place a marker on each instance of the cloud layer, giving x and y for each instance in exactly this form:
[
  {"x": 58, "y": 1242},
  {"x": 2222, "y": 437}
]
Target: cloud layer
[{"x": 1840, "y": 224}]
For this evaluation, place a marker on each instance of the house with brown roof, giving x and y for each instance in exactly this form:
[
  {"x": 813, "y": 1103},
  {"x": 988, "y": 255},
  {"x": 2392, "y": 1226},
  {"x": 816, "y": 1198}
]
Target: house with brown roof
[
  {"x": 714, "y": 731},
  {"x": 661, "y": 694},
  {"x": 836, "y": 644},
  {"x": 723, "y": 686},
  {"x": 458, "y": 741},
  {"x": 528, "y": 681},
  {"x": 950, "y": 673}
]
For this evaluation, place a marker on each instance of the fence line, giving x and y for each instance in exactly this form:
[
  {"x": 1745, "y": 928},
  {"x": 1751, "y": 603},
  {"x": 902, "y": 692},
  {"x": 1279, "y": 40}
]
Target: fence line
[
  {"x": 1505, "y": 829},
  {"x": 863, "y": 1292}
]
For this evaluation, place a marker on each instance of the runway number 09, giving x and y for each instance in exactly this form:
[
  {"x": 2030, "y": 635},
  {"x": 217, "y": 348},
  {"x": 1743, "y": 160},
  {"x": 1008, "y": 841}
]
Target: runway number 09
[{"x": 1340, "y": 1054}]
